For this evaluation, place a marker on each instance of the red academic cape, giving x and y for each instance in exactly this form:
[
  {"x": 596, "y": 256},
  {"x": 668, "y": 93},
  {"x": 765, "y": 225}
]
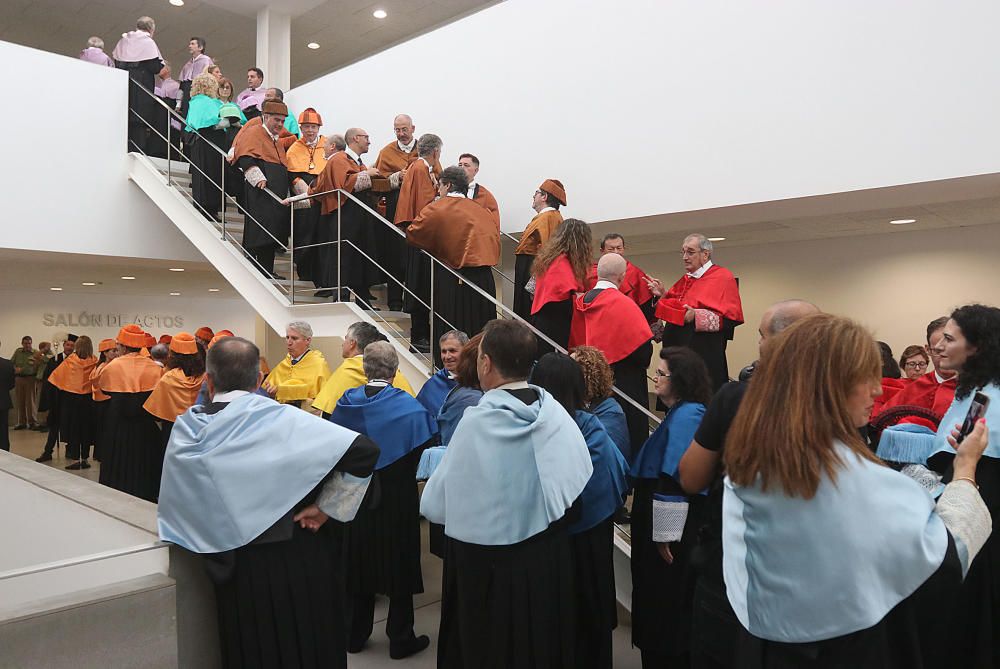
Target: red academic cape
[
  {"x": 924, "y": 391},
  {"x": 612, "y": 323},
  {"x": 890, "y": 388},
  {"x": 556, "y": 284},
  {"x": 715, "y": 290},
  {"x": 633, "y": 285}
]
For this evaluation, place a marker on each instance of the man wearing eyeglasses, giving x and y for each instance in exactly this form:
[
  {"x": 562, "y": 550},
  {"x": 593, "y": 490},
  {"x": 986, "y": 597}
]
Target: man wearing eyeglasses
[
  {"x": 702, "y": 308},
  {"x": 546, "y": 202}
]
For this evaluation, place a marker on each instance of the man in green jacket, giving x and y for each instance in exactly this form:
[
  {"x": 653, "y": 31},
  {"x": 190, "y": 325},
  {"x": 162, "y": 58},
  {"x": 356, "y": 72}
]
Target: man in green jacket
[{"x": 25, "y": 368}]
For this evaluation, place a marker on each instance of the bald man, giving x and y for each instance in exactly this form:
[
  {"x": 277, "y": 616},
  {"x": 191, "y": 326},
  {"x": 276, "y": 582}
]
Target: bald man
[
  {"x": 393, "y": 161},
  {"x": 613, "y": 323},
  {"x": 714, "y": 633}
]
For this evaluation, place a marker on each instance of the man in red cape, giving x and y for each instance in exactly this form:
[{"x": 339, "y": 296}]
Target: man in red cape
[
  {"x": 702, "y": 309},
  {"x": 635, "y": 284},
  {"x": 611, "y": 322}
]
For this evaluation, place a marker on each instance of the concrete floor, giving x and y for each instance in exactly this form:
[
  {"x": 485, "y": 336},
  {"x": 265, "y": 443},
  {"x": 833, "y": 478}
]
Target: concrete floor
[{"x": 29, "y": 444}]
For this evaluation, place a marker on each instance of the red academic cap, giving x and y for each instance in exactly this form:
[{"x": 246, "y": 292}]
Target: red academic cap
[
  {"x": 310, "y": 115},
  {"x": 165, "y": 339},
  {"x": 148, "y": 340},
  {"x": 204, "y": 333},
  {"x": 554, "y": 188}
]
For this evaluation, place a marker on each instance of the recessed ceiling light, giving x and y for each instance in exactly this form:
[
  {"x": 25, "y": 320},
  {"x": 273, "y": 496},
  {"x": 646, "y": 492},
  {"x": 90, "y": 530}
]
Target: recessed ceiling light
[
  {"x": 313, "y": 45},
  {"x": 213, "y": 290},
  {"x": 177, "y": 3},
  {"x": 175, "y": 294},
  {"x": 129, "y": 278},
  {"x": 88, "y": 283},
  {"x": 902, "y": 221},
  {"x": 379, "y": 14},
  {"x": 716, "y": 239},
  {"x": 55, "y": 288},
  {"x": 176, "y": 269}
]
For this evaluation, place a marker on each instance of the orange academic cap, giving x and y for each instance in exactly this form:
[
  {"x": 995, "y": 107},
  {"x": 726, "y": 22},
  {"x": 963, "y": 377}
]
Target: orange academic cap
[
  {"x": 105, "y": 345},
  {"x": 204, "y": 333},
  {"x": 274, "y": 107},
  {"x": 222, "y": 335},
  {"x": 165, "y": 339},
  {"x": 132, "y": 336},
  {"x": 554, "y": 188},
  {"x": 310, "y": 115},
  {"x": 184, "y": 343}
]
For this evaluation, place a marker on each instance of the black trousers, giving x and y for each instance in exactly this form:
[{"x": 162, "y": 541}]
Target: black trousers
[
  {"x": 4, "y": 434},
  {"x": 52, "y": 440},
  {"x": 361, "y": 618},
  {"x": 264, "y": 255}
]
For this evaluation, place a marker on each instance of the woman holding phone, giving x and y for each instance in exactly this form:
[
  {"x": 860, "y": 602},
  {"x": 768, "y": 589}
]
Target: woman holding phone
[
  {"x": 831, "y": 558},
  {"x": 970, "y": 346}
]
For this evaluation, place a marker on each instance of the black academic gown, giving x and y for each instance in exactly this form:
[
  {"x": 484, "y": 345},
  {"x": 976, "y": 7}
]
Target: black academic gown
[
  {"x": 133, "y": 450},
  {"x": 392, "y": 252},
  {"x": 510, "y": 606},
  {"x": 207, "y": 165},
  {"x": 306, "y": 232},
  {"x": 270, "y": 227},
  {"x": 596, "y": 601},
  {"x": 76, "y": 423},
  {"x": 522, "y": 298},
  {"x": 710, "y": 346},
  {"x": 142, "y": 106},
  {"x": 554, "y": 320},
  {"x": 280, "y": 598},
  {"x": 459, "y": 306}
]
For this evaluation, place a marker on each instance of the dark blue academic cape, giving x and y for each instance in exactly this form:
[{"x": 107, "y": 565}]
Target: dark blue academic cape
[
  {"x": 604, "y": 492},
  {"x": 391, "y": 418},
  {"x": 435, "y": 390},
  {"x": 610, "y": 413}
]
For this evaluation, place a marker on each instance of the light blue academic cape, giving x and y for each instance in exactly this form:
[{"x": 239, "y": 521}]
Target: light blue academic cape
[
  {"x": 800, "y": 571},
  {"x": 956, "y": 415},
  {"x": 510, "y": 471},
  {"x": 459, "y": 399},
  {"x": 231, "y": 475}
]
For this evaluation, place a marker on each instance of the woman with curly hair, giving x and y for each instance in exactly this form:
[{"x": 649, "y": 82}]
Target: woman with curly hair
[
  {"x": 598, "y": 380},
  {"x": 206, "y": 131},
  {"x": 560, "y": 272},
  {"x": 970, "y": 346}
]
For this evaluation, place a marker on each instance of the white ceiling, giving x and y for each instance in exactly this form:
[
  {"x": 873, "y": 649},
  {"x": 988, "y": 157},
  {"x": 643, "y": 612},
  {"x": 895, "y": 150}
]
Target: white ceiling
[
  {"x": 34, "y": 270},
  {"x": 345, "y": 29}
]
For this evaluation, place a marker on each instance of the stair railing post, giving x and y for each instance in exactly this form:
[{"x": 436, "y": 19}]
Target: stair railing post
[
  {"x": 168, "y": 149},
  {"x": 223, "y": 189},
  {"x": 430, "y": 334},
  {"x": 340, "y": 243},
  {"x": 291, "y": 244}
]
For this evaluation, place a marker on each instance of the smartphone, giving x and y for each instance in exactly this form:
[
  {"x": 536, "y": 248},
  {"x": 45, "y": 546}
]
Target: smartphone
[{"x": 976, "y": 411}]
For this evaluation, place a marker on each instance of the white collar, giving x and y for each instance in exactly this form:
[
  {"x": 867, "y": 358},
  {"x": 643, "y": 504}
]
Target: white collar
[
  {"x": 304, "y": 353},
  {"x": 700, "y": 272},
  {"x": 453, "y": 194},
  {"x": 941, "y": 379},
  {"x": 349, "y": 151},
  {"x": 604, "y": 284},
  {"x": 274, "y": 138},
  {"x": 379, "y": 383},
  {"x": 230, "y": 396},
  {"x": 472, "y": 189},
  {"x": 545, "y": 209},
  {"x": 407, "y": 148},
  {"x": 513, "y": 385}
]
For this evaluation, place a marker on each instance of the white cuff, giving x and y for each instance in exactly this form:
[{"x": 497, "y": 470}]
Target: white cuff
[
  {"x": 363, "y": 182},
  {"x": 967, "y": 518},
  {"x": 254, "y": 176},
  {"x": 342, "y": 495}
]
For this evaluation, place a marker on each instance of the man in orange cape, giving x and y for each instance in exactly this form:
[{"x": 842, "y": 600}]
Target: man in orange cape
[
  {"x": 546, "y": 202},
  {"x": 477, "y": 192}
]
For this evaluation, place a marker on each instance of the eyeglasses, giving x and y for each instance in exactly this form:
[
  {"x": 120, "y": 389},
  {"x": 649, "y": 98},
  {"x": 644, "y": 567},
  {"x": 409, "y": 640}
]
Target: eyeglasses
[
  {"x": 661, "y": 374},
  {"x": 685, "y": 253},
  {"x": 915, "y": 365}
]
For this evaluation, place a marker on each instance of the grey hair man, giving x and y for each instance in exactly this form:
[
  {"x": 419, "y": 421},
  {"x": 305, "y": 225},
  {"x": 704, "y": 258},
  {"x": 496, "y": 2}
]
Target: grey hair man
[
  {"x": 334, "y": 144},
  {"x": 304, "y": 370},
  {"x": 380, "y": 361}
]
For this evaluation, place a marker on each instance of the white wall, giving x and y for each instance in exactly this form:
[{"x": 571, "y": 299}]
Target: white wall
[
  {"x": 63, "y": 178},
  {"x": 37, "y": 313},
  {"x": 649, "y": 107},
  {"x": 894, "y": 284}
]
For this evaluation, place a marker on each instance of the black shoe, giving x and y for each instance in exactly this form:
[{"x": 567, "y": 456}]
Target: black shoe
[
  {"x": 277, "y": 277},
  {"x": 20, "y": 427},
  {"x": 395, "y": 307},
  {"x": 420, "y": 346},
  {"x": 41, "y": 428},
  {"x": 83, "y": 464},
  {"x": 398, "y": 651},
  {"x": 354, "y": 647},
  {"x": 323, "y": 293},
  {"x": 44, "y": 457}
]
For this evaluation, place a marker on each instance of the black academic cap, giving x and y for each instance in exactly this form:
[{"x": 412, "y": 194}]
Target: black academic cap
[{"x": 72, "y": 337}]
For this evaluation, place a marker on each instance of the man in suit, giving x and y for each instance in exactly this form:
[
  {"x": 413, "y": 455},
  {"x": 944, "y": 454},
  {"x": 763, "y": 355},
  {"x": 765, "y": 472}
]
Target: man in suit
[{"x": 6, "y": 385}]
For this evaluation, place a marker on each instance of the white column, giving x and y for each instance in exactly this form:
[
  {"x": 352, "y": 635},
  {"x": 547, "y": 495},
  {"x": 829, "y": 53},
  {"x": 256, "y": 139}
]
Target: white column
[{"x": 274, "y": 47}]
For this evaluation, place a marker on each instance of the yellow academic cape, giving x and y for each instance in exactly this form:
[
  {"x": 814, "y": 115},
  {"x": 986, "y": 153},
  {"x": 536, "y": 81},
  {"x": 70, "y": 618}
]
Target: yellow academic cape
[
  {"x": 350, "y": 374},
  {"x": 311, "y": 369}
]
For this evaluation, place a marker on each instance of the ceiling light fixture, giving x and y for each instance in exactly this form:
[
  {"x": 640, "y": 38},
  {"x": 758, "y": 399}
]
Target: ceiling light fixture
[
  {"x": 213, "y": 290},
  {"x": 380, "y": 14},
  {"x": 313, "y": 45},
  {"x": 177, "y": 3},
  {"x": 902, "y": 221},
  {"x": 88, "y": 283},
  {"x": 175, "y": 294},
  {"x": 716, "y": 239},
  {"x": 54, "y": 288},
  {"x": 176, "y": 269},
  {"x": 129, "y": 278}
]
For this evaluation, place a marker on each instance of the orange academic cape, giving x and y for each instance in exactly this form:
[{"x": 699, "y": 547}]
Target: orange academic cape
[
  {"x": 456, "y": 231},
  {"x": 392, "y": 159},
  {"x": 538, "y": 232},
  {"x": 340, "y": 172},
  {"x": 74, "y": 375},
  {"x": 484, "y": 198},
  {"x": 254, "y": 141},
  {"x": 418, "y": 190},
  {"x": 715, "y": 290},
  {"x": 557, "y": 284},
  {"x": 612, "y": 323},
  {"x": 97, "y": 394},
  {"x": 130, "y": 373},
  {"x": 299, "y": 155},
  {"x": 633, "y": 285},
  {"x": 173, "y": 395}
]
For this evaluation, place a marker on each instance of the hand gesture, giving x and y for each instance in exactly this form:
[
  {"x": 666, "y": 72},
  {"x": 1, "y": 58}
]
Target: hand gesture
[
  {"x": 688, "y": 314},
  {"x": 656, "y": 286},
  {"x": 664, "y": 550},
  {"x": 310, "y": 518},
  {"x": 262, "y": 184},
  {"x": 972, "y": 447}
]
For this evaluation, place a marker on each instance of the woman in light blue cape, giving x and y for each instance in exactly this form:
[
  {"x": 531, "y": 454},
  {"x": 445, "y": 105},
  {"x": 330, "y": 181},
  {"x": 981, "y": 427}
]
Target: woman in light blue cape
[{"x": 829, "y": 554}]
